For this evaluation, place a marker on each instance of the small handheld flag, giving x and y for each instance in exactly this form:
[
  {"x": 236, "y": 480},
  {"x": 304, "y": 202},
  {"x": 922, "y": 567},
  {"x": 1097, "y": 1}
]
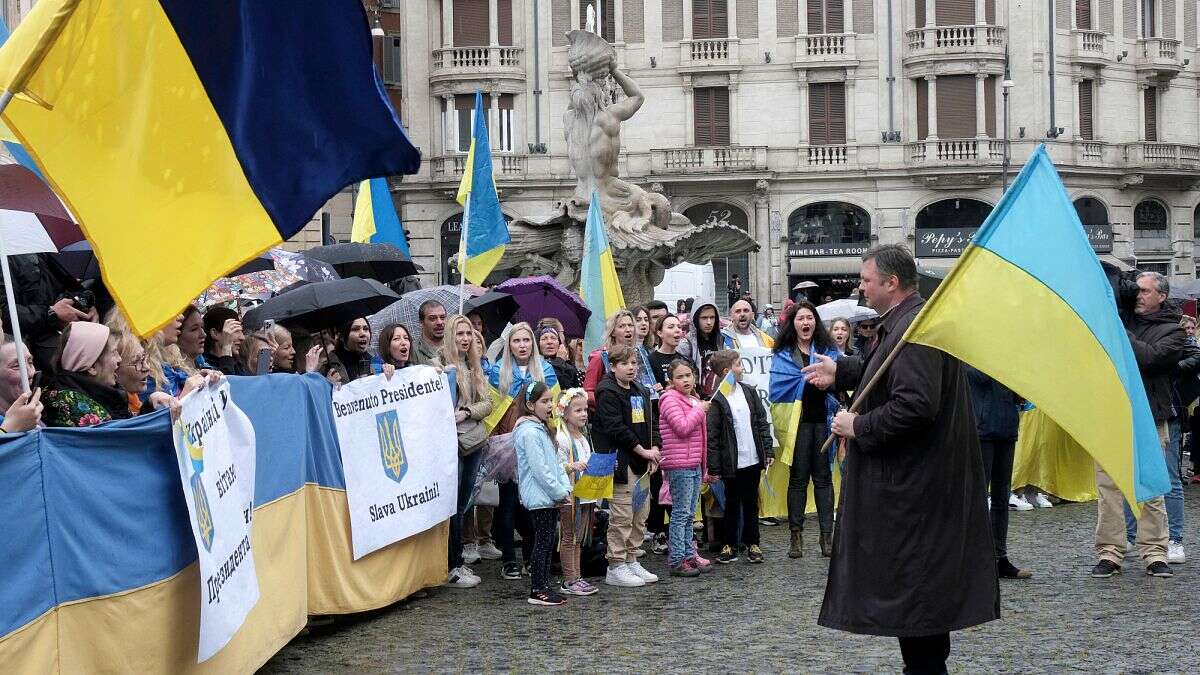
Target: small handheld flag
[
  {"x": 597, "y": 479},
  {"x": 375, "y": 217},
  {"x": 641, "y": 491},
  {"x": 484, "y": 230},
  {"x": 598, "y": 283},
  {"x": 727, "y": 385}
]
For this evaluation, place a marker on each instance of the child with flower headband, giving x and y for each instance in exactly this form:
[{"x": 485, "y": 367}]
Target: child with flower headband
[
  {"x": 575, "y": 517},
  {"x": 541, "y": 483}
]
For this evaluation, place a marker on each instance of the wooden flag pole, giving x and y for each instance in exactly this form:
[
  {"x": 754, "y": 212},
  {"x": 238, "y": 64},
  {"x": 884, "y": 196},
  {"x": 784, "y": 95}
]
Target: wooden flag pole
[{"x": 862, "y": 394}]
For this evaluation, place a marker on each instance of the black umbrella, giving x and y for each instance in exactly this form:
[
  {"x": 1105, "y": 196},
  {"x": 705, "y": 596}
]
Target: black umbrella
[
  {"x": 383, "y": 262},
  {"x": 495, "y": 308},
  {"x": 324, "y": 304}
]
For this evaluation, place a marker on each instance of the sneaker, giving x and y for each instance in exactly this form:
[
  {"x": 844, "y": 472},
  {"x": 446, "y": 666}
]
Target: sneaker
[
  {"x": 639, "y": 552},
  {"x": 647, "y": 538},
  {"x": 703, "y": 563},
  {"x": 1175, "y": 554},
  {"x": 470, "y": 554},
  {"x": 489, "y": 551},
  {"x": 1041, "y": 502},
  {"x": 1159, "y": 569},
  {"x": 637, "y": 569},
  {"x": 727, "y": 556},
  {"x": 467, "y": 571},
  {"x": 1016, "y": 503},
  {"x": 755, "y": 555},
  {"x": 458, "y": 579},
  {"x": 621, "y": 575},
  {"x": 660, "y": 544},
  {"x": 510, "y": 571},
  {"x": 1107, "y": 568},
  {"x": 546, "y": 598},
  {"x": 687, "y": 568},
  {"x": 769, "y": 521},
  {"x": 577, "y": 587}
]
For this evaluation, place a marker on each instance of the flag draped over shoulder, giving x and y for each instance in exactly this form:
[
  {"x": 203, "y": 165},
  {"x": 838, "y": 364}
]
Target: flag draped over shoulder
[
  {"x": 181, "y": 141},
  {"x": 598, "y": 283},
  {"x": 375, "y": 217},
  {"x": 485, "y": 232},
  {"x": 1029, "y": 304}
]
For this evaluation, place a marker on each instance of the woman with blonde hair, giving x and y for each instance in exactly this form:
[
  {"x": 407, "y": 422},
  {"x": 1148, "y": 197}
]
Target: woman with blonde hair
[
  {"x": 520, "y": 362},
  {"x": 620, "y": 329},
  {"x": 168, "y": 367},
  {"x": 842, "y": 333}
]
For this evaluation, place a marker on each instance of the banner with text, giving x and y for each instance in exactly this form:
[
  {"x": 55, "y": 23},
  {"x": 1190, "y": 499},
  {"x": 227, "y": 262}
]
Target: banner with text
[
  {"x": 215, "y": 449},
  {"x": 399, "y": 454},
  {"x": 757, "y": 364}
]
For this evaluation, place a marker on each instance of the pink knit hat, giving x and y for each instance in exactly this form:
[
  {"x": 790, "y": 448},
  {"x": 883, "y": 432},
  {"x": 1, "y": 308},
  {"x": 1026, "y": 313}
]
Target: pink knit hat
[{"x": 85, "y": 344}]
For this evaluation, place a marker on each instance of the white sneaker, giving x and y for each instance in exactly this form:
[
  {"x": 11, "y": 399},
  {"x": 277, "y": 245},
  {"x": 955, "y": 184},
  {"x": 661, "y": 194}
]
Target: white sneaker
[
  {"x": 470, "y": 554},
  {"x": 459, "y": 579},
  {"x": 636, "y": 568},
  {"x": 1175, "y": 554},
  {"x": 469, "y": 573},
  {"x": 621, "y": 575},
  {"x": 1015, "y": 503},
  {"x": 1041, "y": 502},
  {"x": 489, "y": 551}
]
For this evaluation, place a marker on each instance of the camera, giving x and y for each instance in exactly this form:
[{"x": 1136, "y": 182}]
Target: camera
[
  {"x": 1125, "y": 289},
  {"x": 83, "y": 299}
]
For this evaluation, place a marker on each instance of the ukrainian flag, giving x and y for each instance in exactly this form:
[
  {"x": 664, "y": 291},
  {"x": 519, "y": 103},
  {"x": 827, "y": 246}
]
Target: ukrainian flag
[
  {"x": 598, "y": 283},
  {"x": 181, "y": 139},
  {"x": 1029, "y": 304},
  {"x": 375, "y": 218},
  {"x": 597, "y": 479},
  {"x": 11, "y": 143},
  {"x": 485, "y": 232}
]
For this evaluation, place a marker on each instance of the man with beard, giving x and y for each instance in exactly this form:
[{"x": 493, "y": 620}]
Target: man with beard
[
  {"x": 742, "y": 332},
  {"x": 432, "y": 316},
  {"x": 912, "y": 552}
]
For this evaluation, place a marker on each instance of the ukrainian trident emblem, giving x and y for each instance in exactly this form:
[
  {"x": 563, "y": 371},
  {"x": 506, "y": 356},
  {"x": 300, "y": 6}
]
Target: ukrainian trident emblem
[
  {"x": 391, "y": 446},
  {"x": 195, "y": 453}
]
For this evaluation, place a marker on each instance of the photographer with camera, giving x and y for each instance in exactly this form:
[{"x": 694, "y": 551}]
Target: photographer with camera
[
  {"x": 48, "y": 300},
  {"x": 1158, "y": 343}
]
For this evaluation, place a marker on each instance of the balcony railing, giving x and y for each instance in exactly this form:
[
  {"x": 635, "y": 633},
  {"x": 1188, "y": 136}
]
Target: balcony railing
[
  {"x": 477, "y": 61},
  {"x": 1162, "y": 155},
  {"x": 824, "y": 47},
  {"x": 503, "y": 166},
  {"x": 708, "y": 52},
  {"x": 958, "y": 151},
  {"x": 1089, "y": 152},
  {"x": 826, "y": 155},
  {"x": 701, "y": 159},
  {"x": 955, "y": 40},
  {"x": 1157, "y": 53}
]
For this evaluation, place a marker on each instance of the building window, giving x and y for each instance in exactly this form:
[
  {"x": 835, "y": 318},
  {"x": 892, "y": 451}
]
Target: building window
[
  {"x": 464, "y": 120},
  {"x": 1151, "y": 112},
  {"x": 1094, "y": 217},
  {"x": 1150, "y": 226},
  {"x": 720, "y": 213},
  {"x": 826, "y": 16},
  {"x": 605, "y": 12},
  {"x": 1085, "y": 110},
  {"x": 471, "y": 23},
  {"x": 826, "y": 224},
  {"x": 500, "y": 136},
  {"x": 505, "y": 126},
  {"x": 827, "y": 113},
  {"x": 1083, "y": 14},
  {"x": 954, "y": 12},
  {"x": 1149, "y": 29},
  {"x": 956, "y": 106},
  {"x": 711, "y": 119},
  {"x": 391, "y": 60},
  {"x": 710, "y": 19}
]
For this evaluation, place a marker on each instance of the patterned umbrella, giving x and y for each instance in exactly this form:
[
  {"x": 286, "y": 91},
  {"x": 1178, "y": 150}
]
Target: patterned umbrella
[
  {"x": 258, "y": 285},
  {"x": 541, "y": 297},
  {"x": 404, "y": 312}
]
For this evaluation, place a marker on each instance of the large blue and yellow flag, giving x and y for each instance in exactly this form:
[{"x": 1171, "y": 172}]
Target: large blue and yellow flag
[
  {"x": 1029, "y": 304},
  {"x": 598, "y": 283},
  {"x": 485, "y": 232},
  {"x": 375, "y": 217},
  {"x": 183, "y": 143}
]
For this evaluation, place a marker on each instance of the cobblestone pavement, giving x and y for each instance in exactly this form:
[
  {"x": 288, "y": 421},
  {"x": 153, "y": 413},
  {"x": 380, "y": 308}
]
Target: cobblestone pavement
[{"x": 762, "y": 618}]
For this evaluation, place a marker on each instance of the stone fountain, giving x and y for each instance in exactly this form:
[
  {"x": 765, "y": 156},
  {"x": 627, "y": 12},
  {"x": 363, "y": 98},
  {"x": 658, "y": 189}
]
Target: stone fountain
[{"x": 647, "y": 238}]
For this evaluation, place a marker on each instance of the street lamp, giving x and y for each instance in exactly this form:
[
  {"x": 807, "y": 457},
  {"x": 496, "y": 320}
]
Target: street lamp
[{"x": 1006, "y": 85}]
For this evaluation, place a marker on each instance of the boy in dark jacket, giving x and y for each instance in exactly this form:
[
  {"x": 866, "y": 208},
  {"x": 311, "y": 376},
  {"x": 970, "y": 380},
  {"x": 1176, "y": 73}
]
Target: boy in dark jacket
[
  {"x": 624, "y": 423},
  {"x": 739, "y": 449}
]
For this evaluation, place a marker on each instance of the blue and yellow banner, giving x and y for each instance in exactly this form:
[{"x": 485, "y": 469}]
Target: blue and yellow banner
[
  {"x": 176, "y": 122},
  {"x": 1029, "y": 304}
]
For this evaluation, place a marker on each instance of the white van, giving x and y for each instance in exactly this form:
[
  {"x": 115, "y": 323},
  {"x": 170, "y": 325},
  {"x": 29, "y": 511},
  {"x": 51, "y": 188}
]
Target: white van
[{"x": 684, "y": 281}]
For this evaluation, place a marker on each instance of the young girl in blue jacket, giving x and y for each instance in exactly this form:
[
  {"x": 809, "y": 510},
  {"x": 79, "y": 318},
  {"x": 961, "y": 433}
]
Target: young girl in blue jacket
[{"x": 542, "y": 484}]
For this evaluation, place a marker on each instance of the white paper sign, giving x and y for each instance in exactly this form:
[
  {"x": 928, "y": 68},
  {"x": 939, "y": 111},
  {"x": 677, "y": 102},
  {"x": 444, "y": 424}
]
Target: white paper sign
[
  {"x": 214, "y": 445},
  {"x": 757, "y": 364},
  {"x": 399, "y": 454}
]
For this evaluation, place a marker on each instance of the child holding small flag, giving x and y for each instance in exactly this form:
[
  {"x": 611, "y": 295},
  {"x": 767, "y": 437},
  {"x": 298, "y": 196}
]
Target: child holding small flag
[
  {"x": 575, "y": 517},
  {"x": 684, "y": 445},
  {"x": 542, "y": 485},
  {"x": 624, "y": 424},
  {"x": 739, "y": 449}
]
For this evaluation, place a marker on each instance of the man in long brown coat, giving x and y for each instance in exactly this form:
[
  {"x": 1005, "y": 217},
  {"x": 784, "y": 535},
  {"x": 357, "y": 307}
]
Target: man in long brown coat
[{"x": 912, "y": 554}]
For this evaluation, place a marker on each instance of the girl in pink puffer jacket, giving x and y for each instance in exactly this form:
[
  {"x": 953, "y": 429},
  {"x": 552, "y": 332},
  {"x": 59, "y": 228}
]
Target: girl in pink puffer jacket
[{"x": 684, "y": 435}]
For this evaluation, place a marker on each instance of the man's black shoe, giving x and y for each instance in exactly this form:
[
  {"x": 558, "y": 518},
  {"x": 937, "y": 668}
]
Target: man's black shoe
[
  {"x": 1159, "y": 569},
  {"x": 1107, "y": 568},
  {"x": 1007, "y": 570}
]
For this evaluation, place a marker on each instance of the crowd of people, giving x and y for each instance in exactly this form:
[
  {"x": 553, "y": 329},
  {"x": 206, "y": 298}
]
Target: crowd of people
[{"x": 662, "y": 395}]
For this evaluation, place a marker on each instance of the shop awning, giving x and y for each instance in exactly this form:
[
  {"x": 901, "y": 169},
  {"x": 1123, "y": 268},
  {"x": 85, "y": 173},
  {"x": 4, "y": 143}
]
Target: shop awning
[{"x": 823, "y": 267}]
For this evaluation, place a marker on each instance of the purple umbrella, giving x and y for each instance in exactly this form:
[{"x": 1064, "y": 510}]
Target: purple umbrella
[{"x": 543, "y": 297}]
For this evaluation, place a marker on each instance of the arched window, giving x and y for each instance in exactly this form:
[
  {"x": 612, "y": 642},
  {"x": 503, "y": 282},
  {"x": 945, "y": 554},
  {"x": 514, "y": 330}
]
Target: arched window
[
  {"x": 1196, "y": 223},
  {"x": 1094, "y": 217},
  {"x": 828, "y": 228},
  {"x": 944, "y": 228},
  {"x": 721, "y": 213},
  {"x": 1150, "y": 222}
]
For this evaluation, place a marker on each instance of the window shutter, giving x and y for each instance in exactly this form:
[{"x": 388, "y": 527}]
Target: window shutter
[
  {"x": 922, "y": 109},
  {"x": 818, "y": 113},
  {"x": 702, "y": 119},
  {"x": 1168, "y": 17},
  {"x": 835, "y": 16},
  {"x": 1189, "y": 23},
  {"x": 506, "y": 102},
  {"x": 1152, "y": 113},
  {"x": 504, "y": 22},
  {"x": 1129, "y": 19},
  {"x": 610, "y": 20},
  {"x": 837, "y": 113},
  {"x": 919, "y": 13},
  {"x": 864, "y": 16},
  {"x": 391, "y": 59},
  {"x": 1083, "y": 14},
  {"x": 989, "y": 12},
  {"x": 956, "y": 106},
  {"x": 720, "y": 100},
  {"x": 747, "y": 19},
  {"x": 560, "y": 22},
  {"x": 1085, "y": 110},
  {"x": 710, "y": 19},
  {"x": 816, "y": 17},
  {"x": 471, "y": 23},
  {"x": 787, "y": 18},
  {"x": 633, "y": 16},
  {"x": 989, "y": 105},
  {"x": 1062, "y": 14},
  {"x": 467, "y": 102},
  {"x": 954, "y": 13},
  {"x": 1107, "y": 8},
  {"x": 672, "y": 20}
]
